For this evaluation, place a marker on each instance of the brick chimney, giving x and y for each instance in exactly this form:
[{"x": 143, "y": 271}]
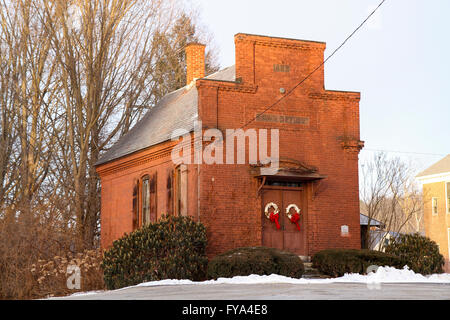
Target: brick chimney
[{"x": 195, "y": 61}]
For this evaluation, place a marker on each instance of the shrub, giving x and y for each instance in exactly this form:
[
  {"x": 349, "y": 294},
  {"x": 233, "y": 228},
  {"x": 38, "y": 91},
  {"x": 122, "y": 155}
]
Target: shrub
[
  {"x": 255, "y": 260},
  {"x": 337, "y": 262},
  {"x": 420, "y": 253},
  {"x": 174, "y": 248},
  {"x": 51, "y": 275}
]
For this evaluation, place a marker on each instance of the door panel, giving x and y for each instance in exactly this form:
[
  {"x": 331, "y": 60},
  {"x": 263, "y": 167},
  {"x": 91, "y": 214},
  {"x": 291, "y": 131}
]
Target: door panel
[
  {"x": 271, "y": 236},
  {"x": 294, "y": 240},
  {"x": 287, "y": 237}
]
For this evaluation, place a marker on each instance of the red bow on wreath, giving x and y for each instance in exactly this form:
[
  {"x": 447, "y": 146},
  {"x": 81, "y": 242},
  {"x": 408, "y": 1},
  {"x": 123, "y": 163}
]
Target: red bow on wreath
[
  {"x": 274, "y": 218},
  {"x": 295, "y": 218}
]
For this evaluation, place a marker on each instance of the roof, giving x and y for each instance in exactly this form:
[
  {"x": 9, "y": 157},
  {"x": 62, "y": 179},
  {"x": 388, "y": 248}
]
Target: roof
[
  {"x": 176, "y": 110},
  {"x": 226, "y": 74},
  {"x": 364, "y": 221},
  {"x": 442, "y": 166},
  {"x": 378, "y": 235}
]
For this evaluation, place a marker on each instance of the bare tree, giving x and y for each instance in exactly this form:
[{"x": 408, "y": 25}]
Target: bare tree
[
  {"x": 30, "y": 77},
  {"x": 390, "y": 195},
  {"x": 107, "y": 53},
  {"x": 8, "y": 132},
  {"x": 75, "y": 76}
]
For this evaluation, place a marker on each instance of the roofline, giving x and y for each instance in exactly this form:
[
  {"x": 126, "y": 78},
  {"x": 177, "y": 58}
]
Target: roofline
[
  {"x": 437, "y": 177},
  {"x": 280, "y": 38},
  {"x": 372, "y": 219},
  {"x": 98, "y": 164}
]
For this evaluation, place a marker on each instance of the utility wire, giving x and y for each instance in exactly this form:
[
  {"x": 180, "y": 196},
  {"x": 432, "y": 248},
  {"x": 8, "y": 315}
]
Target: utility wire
[
  {"x": 309, "y": 75},
  {"x": 406, "y": 152},
  {"x": 317, "y": 68}
]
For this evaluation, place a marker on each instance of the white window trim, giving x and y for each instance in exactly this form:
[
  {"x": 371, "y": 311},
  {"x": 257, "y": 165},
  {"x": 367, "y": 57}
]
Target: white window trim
[
  {"x": 432, "y": 206},
  {"x": 447, "y": 195}
]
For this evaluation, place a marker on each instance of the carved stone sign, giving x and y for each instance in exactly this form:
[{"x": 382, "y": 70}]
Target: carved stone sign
[{"x": 265, "y": 117}]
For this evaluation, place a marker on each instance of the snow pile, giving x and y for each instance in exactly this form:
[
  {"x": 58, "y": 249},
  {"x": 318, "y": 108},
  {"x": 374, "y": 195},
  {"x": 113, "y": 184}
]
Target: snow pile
[
  {"x": 382, "y": 275},
  {"x": 86, "y": 293},
  {"x": 392, "y": 275}
]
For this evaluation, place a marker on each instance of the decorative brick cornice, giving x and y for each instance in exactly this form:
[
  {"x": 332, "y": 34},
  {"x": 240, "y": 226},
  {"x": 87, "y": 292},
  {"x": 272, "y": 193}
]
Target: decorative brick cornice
[
  {"x": 122, "y": 164},
  {"x": 352, "y": 146},
  {"x": 226, "y": 86},
  {"x": 280, "y": 42},
  {"x": 336, "y": 95}
]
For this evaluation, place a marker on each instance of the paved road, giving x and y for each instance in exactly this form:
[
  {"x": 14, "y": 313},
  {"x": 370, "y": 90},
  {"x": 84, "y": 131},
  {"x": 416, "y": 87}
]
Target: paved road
[{"x": 356, "y": 291}]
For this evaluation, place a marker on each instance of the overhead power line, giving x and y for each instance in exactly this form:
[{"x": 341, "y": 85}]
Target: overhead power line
[
  {"x": 311, "y": 73},
  {"x": 406, "y": 152},
  {"x": 317, "y": 68}
]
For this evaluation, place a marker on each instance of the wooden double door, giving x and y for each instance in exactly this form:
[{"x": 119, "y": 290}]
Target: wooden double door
[{"x": 287, "y": 237}]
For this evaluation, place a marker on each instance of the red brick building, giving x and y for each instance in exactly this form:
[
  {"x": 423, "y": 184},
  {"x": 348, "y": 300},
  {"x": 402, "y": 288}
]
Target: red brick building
[{"x": 319, "y": 143}]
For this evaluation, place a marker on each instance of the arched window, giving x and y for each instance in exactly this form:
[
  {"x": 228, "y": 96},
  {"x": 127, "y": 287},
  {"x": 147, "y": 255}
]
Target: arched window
[
  {"x": 145, "y": 196},
  {"x": 144, "y": 201}
]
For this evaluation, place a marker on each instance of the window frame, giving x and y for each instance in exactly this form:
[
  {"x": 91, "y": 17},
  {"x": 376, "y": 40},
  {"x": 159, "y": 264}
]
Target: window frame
[
  {"x": 433, "y": 199},
  {"x": 143, "y": 198}
]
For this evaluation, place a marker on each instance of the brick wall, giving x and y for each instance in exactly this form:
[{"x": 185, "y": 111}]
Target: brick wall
[
  {"x": 229, "y": 203},
  {"x": 231, "y": 208}
]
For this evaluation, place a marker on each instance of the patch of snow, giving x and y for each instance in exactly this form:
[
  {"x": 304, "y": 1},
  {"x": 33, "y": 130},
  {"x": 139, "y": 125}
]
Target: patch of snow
[
  {"x": 86, "y": 293},
  {"x": 392, "y": 275},
  {"x": 382, "y": 275}
]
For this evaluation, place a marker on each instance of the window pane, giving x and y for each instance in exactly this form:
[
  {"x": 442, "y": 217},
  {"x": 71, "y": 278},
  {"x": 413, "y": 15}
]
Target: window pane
[{"x": 145, "y": 201}]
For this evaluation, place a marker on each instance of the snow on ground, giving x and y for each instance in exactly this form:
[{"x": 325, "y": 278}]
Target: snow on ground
[{"x": 382, "y": 275}]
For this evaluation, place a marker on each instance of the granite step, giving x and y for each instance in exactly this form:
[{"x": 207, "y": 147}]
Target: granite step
[{"x": 312, "y": 273}]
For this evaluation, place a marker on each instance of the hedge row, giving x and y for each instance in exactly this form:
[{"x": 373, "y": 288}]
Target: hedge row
[
  {"x": 255, "y": 260},
  {"x": 174, "y": 248},
  {"x": 337, "y": 262}
]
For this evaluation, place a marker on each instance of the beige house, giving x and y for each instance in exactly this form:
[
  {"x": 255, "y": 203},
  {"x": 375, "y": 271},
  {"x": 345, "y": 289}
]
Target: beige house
[{"x": 436, "y": 190}]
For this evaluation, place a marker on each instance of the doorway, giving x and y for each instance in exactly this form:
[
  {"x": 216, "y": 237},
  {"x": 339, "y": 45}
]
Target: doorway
[{"x": 287, "y": 237}]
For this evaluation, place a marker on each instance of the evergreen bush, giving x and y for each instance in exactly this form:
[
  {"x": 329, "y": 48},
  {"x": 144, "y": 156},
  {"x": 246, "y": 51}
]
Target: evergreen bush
[
  {"x": 420, "y": 253},
  {"x": 255, "y": 260},
  {"x": 172, "y": 248},
  {"x": 337, "y": 262}
]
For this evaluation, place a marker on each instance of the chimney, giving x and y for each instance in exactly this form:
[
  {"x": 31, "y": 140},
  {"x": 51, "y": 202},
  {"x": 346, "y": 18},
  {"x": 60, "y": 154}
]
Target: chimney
[{"x": 195, "y": 61}]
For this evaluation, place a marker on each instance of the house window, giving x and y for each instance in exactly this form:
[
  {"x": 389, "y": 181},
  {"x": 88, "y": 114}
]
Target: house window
[
  {"x": 135, "y": 206},
  {"x": 180, "y": 184},
  {"x": 145, "y": 200},
  {"x": 434, "y": 206}
]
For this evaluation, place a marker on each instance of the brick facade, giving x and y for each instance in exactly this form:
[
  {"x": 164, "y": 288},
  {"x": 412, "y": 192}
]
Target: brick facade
[{"x": 226, "y": 197}]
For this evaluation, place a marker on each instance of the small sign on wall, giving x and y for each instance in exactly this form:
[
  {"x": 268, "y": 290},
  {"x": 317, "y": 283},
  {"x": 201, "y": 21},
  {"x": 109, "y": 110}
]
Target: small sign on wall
[{"x": 344, "y": 231}]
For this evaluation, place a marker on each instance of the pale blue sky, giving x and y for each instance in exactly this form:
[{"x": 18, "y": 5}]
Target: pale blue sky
[{"x": 400, "y": 61}]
